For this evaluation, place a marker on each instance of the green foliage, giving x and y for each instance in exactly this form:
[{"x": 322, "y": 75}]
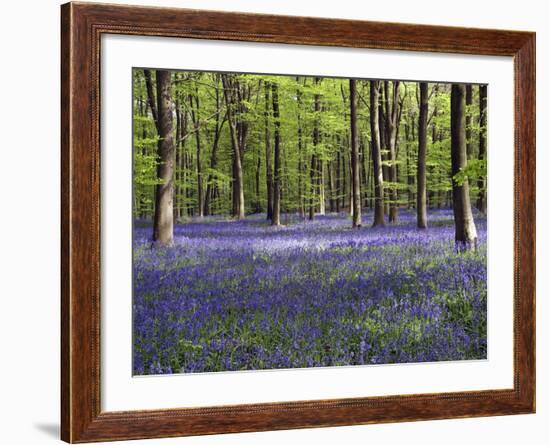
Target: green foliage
[
  {"x": 476, "y": 168},
  {"x": 201, "y": 95}
]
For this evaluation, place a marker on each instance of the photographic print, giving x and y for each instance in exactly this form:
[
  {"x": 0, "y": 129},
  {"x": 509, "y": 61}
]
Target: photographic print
[{"x": 291, "y": 221}]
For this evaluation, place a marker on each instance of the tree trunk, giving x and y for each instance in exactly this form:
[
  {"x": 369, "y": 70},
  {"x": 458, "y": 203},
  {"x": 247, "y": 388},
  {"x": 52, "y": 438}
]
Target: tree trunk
[
  {"x": 321, "y": 186},
  {"x": 338, "y": 177},
  {"x": 276, "y": 220},
  {"x": 364, "y": 162},
  {"x": 433, "y": 195},
  {"x": 355, "y": 180},
  {"x": 153, "y": 106},
  {"x": 180, "y": 147},
  {"x": 268, "y": 167},
  {"x": 314, "y": 161},
  {"x": 213, "y": 163},
  {"x": 300, "y": 150},
  {"x": 410, "y": 176},
  {"x": 195, "y": 109},
  {"x": 188, "y": 162},
  {"x": 331, "y": 186},
  {"x": 210, "y": 188},
  {"x": 312, "y": 191},
  {"x": 257, "y": 184},
  {"x": 344, "y": 170},
  {"x": 482, "y": 193},
  {"x": 177, "y": 155},
  {"x": 181, "y": 129},
  {"x": 320, "y": 161},
  {"x": 391, "y": 119},
  {"x": 376, "y": 156},
  {"x": 238, "y": 189},
  {"x": 469, "y": 102},
  {"x": 465, "y": 229},
  {"x": 383, "y": 147},
  {"x": 421, "y": 210},
  {"x": 163, "y": 228},
  {"x": 142, "y": 203},
  {"x": 150, "y": 95}
]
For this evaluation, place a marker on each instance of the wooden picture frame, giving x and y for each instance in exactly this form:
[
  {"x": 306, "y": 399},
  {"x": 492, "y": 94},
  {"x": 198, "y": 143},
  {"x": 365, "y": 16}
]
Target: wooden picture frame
[{"x": 82, "y": 25}]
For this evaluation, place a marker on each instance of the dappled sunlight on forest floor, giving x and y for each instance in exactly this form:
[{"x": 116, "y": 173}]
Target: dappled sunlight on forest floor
[{"x": 243, "y": 295}]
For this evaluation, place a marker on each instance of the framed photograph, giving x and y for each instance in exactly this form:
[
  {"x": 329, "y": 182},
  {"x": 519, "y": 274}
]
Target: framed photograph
[{"x": 274, "y": 222}]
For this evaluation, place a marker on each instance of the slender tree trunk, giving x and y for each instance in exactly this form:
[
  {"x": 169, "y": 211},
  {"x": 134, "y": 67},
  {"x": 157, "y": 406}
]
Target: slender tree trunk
[
  {"x": 142, "y": 202},
  {"x": 383, "y": 147},
  {"x": 410, "y": 177},
  {"x": 321, "y": 165},
  {"x": 443, "y": 177},
  {"x": 163, "y": 228},
  {"x": 413, "y": 176},
  {"x": 314, "y": 162},
  {"x": 188, "y": 161},
  {"x": 177, "y": 154},
  {"x": 276, "y": 220},
  {"x": 331, "y": 186},
  {"x": 321, "y": 186},
  {"x": 465, "y": 229},
  {"x": 151, "y": 95},
  {"x": 432, "y": 194},
  {"x": 371, "y": 181},
  {"x": 312, "y": 186},
  {"x": 364, "y": 170},
  {"x": 338, "y": 177},
  {"x": 469, "y": 102},
  {"x": 300, "y": 154},
  {"x": 355, "y": 180},
  {"x": 421, "y": 210},
  {"x": 482, "y": 194},
  {"x": 180, "y": 166},
  {"x": 376, "y": 155},
  {"x": 238, "y": 189},
  {"x": 210, "y": 187},
  {"x": 257, "y": 184},
  {"x": 153, "y": 106},
  {"x": 195, "y": 110},
  {"x": 350, "y": 191},
  {"x": 181, "y": 129},
  {"x": 268, "y": 167},
  {"x": 391, "y": 125},
  {"x": 344, "y": 169}
]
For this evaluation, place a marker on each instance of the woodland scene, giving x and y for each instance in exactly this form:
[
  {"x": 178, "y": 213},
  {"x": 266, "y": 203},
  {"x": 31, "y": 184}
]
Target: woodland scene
[{"x": 284, "y": 221}]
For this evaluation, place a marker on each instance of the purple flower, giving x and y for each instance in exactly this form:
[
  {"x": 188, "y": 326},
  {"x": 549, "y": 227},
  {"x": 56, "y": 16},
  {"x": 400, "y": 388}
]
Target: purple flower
[{"x": 242, "y": 295}]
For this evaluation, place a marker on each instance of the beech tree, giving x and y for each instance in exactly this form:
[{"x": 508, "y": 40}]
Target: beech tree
[
  {"x": 237, "y": 141},
  {"x": 276, "y": 220},
  {"x": 356, "y": 191},
  {"x": 376, "y": 155},
  {"x": 314, "y": 172},
  {"x": 465, "y": 229},
  {"x": 482, "y": 194},
  {"x": 194, "y": 106},
  {"x": 221, "y": 118},
  {"x": 163, "y": 229},
  {"x": 391, "y": 120},
  {"x": 421, "y": 207},
  {"x": 468, "y": 121},
  {"x": 268, "y": 155}
]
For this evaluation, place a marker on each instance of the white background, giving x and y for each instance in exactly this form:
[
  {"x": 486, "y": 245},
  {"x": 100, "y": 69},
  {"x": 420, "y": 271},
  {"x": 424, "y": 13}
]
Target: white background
[
  {"x": 120, "y": 392},
  {"x": 29, "y": 175}
]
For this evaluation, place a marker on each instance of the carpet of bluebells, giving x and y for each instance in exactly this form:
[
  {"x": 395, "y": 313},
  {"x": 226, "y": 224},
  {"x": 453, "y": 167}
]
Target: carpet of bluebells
[{"x": 242, "y": 295}]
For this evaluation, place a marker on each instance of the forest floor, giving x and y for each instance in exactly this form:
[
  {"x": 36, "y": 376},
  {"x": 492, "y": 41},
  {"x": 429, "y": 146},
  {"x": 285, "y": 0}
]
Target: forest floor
[{"x": 242, "y": 295}]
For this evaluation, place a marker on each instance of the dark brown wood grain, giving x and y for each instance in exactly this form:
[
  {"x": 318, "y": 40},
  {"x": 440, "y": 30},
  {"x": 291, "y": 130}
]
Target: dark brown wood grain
[{"x": 81, "y": 28}]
